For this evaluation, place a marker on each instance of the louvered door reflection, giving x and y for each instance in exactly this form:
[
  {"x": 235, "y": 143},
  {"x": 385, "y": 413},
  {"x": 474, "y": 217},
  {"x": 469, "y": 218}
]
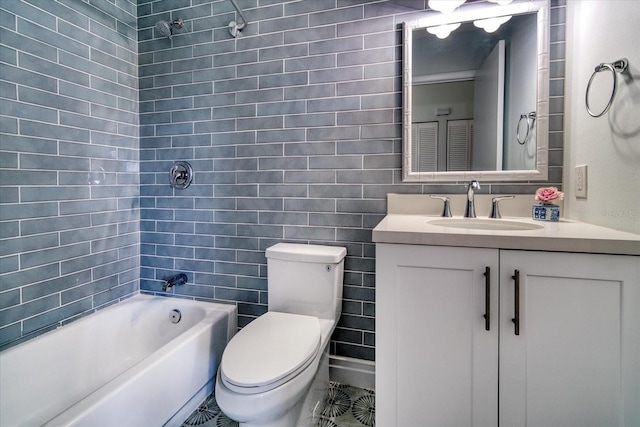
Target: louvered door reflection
[
  {"x": 459, "y": 140},
  {"x": 424, "y": 145}
]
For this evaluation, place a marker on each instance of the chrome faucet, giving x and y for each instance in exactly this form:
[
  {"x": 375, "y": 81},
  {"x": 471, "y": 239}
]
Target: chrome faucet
[
  {"x": 446, "y": 207},
  {"x": 178, "y": 279},
  {"x": 470, "y": 210},
  {"x": 495, "y": 208}
]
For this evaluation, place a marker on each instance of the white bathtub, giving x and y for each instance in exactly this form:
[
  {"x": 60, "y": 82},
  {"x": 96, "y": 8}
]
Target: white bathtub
[{"x": 126, "y": 365}]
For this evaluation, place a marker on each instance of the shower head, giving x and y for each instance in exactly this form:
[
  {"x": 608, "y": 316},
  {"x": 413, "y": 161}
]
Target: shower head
[
  {"x": 164, "y": 29},
  {"x": 167, "y": 29}
]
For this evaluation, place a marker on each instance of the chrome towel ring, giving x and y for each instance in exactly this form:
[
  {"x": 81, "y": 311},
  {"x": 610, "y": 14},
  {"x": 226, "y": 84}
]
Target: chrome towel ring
[
  {"x": 619, "y": 66},
  {"x": 530, "y": 119}
]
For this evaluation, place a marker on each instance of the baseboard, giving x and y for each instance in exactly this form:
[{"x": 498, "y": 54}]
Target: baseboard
[{"x": 355, "y": 372}]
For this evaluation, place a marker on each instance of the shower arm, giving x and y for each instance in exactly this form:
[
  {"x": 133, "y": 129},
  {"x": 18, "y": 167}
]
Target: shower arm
[{"x": 244, "y": 19}]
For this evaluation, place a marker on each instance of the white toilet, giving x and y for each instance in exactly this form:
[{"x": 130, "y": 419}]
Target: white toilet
[{"x": 272, "y": 367}]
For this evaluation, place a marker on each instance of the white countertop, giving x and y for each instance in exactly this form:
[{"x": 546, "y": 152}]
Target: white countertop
[{"x": 562, "y": 236}]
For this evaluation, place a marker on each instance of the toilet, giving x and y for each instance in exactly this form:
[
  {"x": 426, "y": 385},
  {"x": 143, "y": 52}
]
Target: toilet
[{"x": 274, "y": 371}]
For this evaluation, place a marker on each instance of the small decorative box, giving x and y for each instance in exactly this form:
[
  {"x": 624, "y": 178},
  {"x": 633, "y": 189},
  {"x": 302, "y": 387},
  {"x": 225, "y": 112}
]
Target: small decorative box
[{"x": 545, "y": 212}]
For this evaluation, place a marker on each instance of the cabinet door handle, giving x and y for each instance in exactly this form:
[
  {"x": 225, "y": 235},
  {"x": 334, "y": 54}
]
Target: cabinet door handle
[
  {"x": 487, "y": 298},
  {"x": 516, "y": 293}
]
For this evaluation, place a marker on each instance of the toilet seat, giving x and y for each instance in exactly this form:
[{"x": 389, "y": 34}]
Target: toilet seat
[{"x": 269, "y": 352}]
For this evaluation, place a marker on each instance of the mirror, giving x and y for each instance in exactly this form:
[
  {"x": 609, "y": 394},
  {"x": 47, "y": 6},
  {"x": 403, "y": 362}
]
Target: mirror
[{"x": 475, "y": 104}]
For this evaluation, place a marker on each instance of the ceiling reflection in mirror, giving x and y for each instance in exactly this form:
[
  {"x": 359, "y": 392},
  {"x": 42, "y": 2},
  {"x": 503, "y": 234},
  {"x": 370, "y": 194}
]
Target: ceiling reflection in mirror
[{"x": 474, "y": 103}]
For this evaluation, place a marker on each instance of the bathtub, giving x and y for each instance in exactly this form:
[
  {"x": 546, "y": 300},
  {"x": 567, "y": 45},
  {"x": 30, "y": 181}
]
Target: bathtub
[{"x": 126, "y": 365}]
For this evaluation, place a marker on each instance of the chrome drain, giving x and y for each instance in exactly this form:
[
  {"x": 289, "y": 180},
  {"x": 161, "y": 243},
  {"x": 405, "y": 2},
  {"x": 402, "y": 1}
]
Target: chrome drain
[{"x": 175, "y": 316}]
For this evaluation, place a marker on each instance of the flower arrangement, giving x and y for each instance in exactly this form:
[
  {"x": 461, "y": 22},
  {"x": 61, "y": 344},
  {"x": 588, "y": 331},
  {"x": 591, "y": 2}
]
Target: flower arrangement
[{"x": 548, "y": 194}]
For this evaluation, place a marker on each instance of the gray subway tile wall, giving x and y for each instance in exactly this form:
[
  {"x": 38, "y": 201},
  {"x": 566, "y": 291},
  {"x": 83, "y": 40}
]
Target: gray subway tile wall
[
  {"x": 296, "y": 135},
  {"x": 293, "y": 130},
  {"x": 69, "y": 176}
]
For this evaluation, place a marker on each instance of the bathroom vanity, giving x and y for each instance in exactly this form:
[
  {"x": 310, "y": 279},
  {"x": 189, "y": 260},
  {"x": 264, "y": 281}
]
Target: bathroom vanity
[{"x": 507, "y": 322}]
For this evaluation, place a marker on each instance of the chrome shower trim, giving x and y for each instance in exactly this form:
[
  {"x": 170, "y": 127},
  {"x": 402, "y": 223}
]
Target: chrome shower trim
[{"x": 236, "y": 27}]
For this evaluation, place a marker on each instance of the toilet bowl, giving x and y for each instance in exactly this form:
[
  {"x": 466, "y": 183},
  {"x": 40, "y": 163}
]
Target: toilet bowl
[{"x": 273, "y": 367}]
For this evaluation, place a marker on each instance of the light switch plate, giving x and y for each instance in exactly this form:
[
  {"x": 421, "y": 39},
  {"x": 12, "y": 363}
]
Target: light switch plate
[{"x": 581, "y": 181}]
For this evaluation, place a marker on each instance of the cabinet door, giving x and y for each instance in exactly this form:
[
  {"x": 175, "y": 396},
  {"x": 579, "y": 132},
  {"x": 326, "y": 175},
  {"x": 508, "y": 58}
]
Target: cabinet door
[
  {"x": 436, "y": 364},
  {"x": 576, "y": 360}
]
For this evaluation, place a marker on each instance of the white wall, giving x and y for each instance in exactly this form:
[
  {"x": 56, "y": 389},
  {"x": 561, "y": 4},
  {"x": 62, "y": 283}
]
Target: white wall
[
  {"x": 458, "y": 96},
  {"x": 603, "y": 31},
  {"x": 521, "y": 96}
]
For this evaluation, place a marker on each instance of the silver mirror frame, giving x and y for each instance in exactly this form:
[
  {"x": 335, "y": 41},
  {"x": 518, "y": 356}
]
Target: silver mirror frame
[{"x": 541, "y": 8}]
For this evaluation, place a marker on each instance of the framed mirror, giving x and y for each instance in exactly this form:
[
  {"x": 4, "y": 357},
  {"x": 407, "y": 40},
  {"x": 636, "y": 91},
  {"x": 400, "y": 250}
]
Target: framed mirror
[{"x": 476, "y": 103}]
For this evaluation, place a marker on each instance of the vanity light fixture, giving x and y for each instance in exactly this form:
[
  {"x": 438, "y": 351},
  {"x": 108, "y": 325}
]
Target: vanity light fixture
[
  {"x": 475, "y": 11},
  {"x": 491, "y": 24},
  {"x": 501, "y": 2},
  {"x": 443, "y": 31},
  {"x": 445, "y": 6},
  {"x": 488, "y": 18}
]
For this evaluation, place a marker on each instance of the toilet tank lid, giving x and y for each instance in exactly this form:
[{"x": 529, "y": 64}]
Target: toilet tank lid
[{"x": 306, "y": 253}]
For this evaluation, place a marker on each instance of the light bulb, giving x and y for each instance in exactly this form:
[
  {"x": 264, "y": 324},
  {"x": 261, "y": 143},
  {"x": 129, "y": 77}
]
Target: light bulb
[
  {"x": 491, "y": 24},
  {"x": 443, "y": 31},
  {"x": 445, "y": 6}
]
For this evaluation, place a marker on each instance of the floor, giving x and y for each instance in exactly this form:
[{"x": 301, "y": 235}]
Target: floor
[{"x": 344, "y": 406}]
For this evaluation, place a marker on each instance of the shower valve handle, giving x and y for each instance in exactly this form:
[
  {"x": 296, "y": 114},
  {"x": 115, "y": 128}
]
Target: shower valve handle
[{"x": 180, "y": 175}]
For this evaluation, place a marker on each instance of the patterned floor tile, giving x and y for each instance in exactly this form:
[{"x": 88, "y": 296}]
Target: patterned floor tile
[
  {"x": 348, "y": 406},
  {"x": 344, "y": 406},
  {"x": 209, "y": 415}
]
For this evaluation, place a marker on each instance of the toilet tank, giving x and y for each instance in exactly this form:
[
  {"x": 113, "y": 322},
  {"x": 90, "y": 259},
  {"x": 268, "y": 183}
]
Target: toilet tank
[{"x": 306, "y": 279}]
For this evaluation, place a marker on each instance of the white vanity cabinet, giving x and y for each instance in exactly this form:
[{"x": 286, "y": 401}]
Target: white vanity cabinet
[
  {"x": 575, "y": 360},
  {"x": 436, "y": 364}
]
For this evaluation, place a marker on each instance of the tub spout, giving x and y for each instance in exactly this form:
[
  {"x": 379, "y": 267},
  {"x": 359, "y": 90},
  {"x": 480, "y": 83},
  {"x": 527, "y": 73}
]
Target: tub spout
[{"x": 178, "y": 279}]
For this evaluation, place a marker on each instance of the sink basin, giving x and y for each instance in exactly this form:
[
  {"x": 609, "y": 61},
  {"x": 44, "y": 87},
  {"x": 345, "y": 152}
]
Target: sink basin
[{"x": 485, "y": 224}]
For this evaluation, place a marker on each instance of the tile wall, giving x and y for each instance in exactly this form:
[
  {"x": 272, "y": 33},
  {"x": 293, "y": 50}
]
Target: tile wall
[
  {"x": 294, "y": 132},
  {"x": 69, "y": 181}
]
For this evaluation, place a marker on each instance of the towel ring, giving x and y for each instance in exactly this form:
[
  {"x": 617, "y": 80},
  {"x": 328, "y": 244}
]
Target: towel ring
[
  {"x": 619, "y": 66},
  {"x": 531, "y": 116}
]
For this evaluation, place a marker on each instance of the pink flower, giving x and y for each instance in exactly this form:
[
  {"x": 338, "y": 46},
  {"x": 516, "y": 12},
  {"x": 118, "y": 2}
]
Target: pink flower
[{"x": 548, "y": 194}]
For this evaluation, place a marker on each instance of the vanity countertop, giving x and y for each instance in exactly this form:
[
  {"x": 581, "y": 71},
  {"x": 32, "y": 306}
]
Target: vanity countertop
[{"x": 562, "y": 236}]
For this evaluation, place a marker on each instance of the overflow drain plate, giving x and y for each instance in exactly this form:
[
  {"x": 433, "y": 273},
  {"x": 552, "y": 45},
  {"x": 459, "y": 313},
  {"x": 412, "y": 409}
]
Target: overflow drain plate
[{"x": 175, "y": 316}]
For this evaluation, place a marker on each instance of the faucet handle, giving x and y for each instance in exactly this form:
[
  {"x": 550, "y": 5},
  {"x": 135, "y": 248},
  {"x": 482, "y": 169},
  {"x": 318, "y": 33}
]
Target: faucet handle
[
  {"x": 495, "y": 209},
  {"x": 446, "y": 209}
]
